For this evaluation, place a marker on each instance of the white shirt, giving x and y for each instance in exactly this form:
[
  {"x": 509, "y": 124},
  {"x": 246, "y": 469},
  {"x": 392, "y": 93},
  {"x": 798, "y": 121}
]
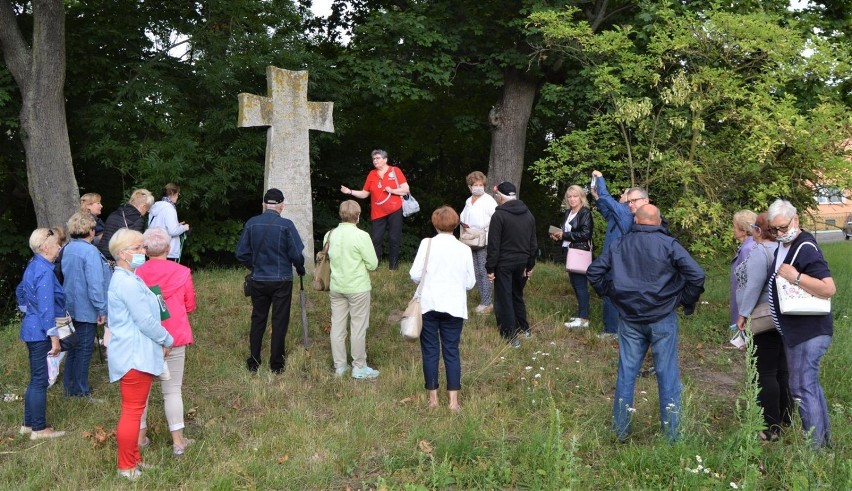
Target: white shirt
[
  {"x": 449, "y": 274},
  {"x": 478, "y": 215}
]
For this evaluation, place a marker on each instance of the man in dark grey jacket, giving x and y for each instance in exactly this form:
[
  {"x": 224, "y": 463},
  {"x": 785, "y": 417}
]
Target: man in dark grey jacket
[
  {"x": 647, "y": 274},
  {"x": 512, "y": 247}
]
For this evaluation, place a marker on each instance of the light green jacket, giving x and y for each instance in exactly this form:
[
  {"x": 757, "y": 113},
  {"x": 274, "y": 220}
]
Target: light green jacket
[{"x": 351, "y": 255}]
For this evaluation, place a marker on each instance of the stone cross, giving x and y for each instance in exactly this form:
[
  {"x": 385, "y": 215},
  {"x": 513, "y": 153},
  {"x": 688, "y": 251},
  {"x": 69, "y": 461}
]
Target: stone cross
[{"x": 289, "y": 115}]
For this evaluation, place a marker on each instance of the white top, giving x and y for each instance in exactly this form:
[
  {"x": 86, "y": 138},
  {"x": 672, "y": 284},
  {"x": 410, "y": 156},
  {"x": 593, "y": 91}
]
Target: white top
[
  {"x": 567, "y": 227},
  {"x": 478, "y": 215},
  {"x": 164, "y": 215},
  {"x": 449, "y": 275}
]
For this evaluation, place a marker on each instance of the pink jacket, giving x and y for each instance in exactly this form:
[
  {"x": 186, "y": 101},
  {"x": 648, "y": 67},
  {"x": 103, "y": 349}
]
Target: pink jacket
[{"x": 175, "y": 281}]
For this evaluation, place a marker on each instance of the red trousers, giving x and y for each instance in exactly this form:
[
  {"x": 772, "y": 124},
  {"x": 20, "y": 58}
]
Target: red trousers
[{"x": 134, "y": 387}]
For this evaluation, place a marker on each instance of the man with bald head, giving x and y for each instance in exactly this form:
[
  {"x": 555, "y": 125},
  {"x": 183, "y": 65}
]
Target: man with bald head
[{"x": 647, "y": 274}]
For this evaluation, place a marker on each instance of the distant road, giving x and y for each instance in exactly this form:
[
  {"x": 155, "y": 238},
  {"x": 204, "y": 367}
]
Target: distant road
[{"x": 828, "y": 236}]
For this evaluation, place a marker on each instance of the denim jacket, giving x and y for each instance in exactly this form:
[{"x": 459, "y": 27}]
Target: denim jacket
[
  {"x": 270, "y": 246},
  {"x": 41, "y": 299},
  {"x": 87, "y": 275}
]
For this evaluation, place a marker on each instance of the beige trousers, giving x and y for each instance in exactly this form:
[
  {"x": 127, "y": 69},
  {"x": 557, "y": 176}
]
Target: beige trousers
[
  {"x": 172, "y": 391},
  {"x": 352, "y": 309}
]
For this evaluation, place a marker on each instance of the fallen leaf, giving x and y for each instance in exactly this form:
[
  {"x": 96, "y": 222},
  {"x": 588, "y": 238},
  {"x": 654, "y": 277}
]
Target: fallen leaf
[
  {"x": 283, "y": 458},
  {"x": 425, "y": 446},
  {"x": 407, "y": 399}
]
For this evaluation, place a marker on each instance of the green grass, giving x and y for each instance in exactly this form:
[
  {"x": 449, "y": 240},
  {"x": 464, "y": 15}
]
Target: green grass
[{"x": 534, "y": 418}]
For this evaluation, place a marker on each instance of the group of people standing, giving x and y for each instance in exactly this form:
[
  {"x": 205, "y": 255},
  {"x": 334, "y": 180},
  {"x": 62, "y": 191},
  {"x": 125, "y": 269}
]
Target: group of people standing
[
  {"x": 788, "y": 353},
  {"x": 145, "y": 332}
]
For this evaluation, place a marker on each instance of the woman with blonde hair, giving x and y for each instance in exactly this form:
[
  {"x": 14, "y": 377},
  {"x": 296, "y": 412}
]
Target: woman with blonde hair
[
  {"x": 130, "y": 215},
  {"x": 42, "y": 301},
  {"x": 445, "y": 266},
  {"x": 175, "y": 283},
  {"x": 742, "y": 224},
  {"x": 138, "y": 346},
  {"x": 351, "y": 256},
  {"x": 86, "y": 282},
  {"x": 476, "y": 216},
  {"x": 577, "y": 234},
  {"x": 91, "y": 203}
]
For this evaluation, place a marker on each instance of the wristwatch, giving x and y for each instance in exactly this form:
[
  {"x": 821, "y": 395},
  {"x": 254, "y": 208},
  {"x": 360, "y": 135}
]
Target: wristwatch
[{"x": 796, "y": 281}]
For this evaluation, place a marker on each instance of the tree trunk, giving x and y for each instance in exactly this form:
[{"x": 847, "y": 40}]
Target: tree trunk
[
  {"x": 40, "y": 74},
  {"x": 509, "y": 120}
]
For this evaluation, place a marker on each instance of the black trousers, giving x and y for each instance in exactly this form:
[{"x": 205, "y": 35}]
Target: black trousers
[
  {"x": 264, "y": 294},
  {"x": 392, "y": 223},
  {"x": 509, "y": 306},
  {"x": 774, "y": 395}
]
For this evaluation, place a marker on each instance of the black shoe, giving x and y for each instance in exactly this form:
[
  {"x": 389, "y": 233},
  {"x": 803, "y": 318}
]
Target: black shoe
[{"x": 252, "y": 364}]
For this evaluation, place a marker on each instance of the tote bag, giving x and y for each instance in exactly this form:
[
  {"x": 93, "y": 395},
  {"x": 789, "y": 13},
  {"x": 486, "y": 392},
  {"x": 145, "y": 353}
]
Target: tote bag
[
  {"x": 411, "y": 323},
  {"x": 793, "y": 300},
  {"x": 322, "y": 272}
]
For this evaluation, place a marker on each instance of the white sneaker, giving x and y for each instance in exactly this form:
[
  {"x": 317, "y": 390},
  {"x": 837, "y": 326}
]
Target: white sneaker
[
  {"x": 575, "y": 323},
  {"x": 341, "y": 371},
  {"x": 483, "y": 309},
  {"x": 130, "y": 474},
  {"x": 607, "y": 335},
  {"x": 364, "y": 372}
]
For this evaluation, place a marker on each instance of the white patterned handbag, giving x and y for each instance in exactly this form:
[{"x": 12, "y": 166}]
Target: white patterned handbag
[{"x": 793, "y": 300}]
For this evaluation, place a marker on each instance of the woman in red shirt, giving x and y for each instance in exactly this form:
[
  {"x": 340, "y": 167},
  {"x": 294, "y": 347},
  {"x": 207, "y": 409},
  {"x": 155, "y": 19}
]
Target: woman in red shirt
[{"x": 385, "y": 186}]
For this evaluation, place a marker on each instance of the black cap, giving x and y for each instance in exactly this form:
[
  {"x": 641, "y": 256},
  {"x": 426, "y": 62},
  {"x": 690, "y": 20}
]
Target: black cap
[
  {"x": 506, "y": 188},
  {"x": 273, "y": 197}
]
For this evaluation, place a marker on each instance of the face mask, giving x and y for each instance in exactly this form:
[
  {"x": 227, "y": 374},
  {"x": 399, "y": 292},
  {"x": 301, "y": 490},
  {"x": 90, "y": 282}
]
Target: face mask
[
  {"x": 137, "y": 260},
  {"x": 789, "y": 236},
  {"x": 477, "y": 190}
]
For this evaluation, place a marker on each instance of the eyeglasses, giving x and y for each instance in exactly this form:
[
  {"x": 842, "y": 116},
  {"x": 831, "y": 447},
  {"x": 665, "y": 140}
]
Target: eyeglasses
[
  {"x": 782, "y": 230},
  {"x": 136, "y": 248},
  {"x": 634, "y": 200},
  {"x": 754, "y": 226}
]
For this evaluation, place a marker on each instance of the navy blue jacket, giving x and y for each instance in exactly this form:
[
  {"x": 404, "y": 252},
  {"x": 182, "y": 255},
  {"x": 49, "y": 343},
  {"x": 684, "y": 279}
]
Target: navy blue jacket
[
  {"x": 647, "y": 274},
  {"x": 270, "y": 246}
]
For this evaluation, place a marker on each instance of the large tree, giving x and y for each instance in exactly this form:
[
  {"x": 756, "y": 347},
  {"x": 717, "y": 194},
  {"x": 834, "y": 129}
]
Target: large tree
[{"x": 38, "y": 68}]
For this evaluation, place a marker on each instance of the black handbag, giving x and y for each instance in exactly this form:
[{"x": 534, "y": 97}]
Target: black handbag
[
  {"x": 66, "y": 333},
  {"x": 247, "y": 285}
]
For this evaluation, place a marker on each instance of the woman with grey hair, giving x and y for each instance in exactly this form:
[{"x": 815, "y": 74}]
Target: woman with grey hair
[
  {"x": 743, "y": 222},
  {"x": 175, "y": 284},
  {"x": 164, "y": 214},
  {"x": 86, "y": 276},
  {"x": 799, "y": 260}
]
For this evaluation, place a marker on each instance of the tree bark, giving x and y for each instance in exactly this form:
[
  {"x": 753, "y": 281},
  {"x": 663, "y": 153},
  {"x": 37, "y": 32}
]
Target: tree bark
[
  {"x": 508, "y": 120},
  {"x": 39, "y": 72}
]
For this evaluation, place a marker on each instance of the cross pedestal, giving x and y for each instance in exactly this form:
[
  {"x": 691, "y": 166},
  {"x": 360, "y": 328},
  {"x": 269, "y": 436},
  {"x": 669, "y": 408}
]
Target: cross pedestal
[{"x": 290, "y": 116}]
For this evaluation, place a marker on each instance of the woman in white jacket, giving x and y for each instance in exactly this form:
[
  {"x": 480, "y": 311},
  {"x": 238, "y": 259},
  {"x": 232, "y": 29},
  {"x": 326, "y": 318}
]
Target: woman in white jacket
[
  {"x": 476, "y": 216},
  {"x": 445, "y": 266}
]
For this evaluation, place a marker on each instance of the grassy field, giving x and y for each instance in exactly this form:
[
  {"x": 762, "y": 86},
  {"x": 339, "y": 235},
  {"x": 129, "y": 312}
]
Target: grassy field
[{"x": 532, "y": 418}]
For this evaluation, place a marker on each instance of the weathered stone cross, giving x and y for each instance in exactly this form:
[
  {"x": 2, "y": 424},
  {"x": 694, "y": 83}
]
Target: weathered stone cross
[{"x": 289, "y": 115}]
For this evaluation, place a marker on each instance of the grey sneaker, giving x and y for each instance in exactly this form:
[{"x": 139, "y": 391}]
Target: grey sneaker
[
  {"x": 365, "y": 372},
  {"x": 527, "y": 333},
  {"x": 515, "y": 343},
  {"x": 576, "y": 323}
]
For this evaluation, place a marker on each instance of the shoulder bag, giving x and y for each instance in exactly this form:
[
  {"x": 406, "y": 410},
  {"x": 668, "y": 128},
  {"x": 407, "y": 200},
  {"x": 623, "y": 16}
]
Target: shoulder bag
[
  {"x": 760, "y": 319},
  {"x": 793, "y": 300},
  {"x": 322, "y": 272},
  {"x": 578, "y": 260},
  {"x": 411, "y": 323},
  {"x": 474, "y": 238},
  {"x": 410, "y": 205}
]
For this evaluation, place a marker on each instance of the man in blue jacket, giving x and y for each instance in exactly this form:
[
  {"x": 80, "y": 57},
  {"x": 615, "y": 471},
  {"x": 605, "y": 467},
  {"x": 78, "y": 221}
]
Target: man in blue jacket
[
  {"x": 271, "y": 247},
  {"x": 647, "y": 274}
]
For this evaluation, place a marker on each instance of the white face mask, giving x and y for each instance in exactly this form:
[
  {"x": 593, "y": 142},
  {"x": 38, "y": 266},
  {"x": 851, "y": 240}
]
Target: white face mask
[
  {"x": 789, "y": 236},
  {"x": 477, "y": 190}
]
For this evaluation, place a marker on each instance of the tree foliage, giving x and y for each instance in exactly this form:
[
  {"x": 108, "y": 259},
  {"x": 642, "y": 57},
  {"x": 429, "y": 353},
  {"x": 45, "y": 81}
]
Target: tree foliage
[{"x": 697, "y": 108}]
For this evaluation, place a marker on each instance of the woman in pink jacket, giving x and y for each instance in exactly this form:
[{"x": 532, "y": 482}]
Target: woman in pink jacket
[{"x": 175, "y": 283}]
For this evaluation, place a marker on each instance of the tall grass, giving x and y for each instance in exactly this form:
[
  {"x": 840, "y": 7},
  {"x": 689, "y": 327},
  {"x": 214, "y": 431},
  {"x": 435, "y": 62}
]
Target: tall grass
[{"x": 537, "y": 417}]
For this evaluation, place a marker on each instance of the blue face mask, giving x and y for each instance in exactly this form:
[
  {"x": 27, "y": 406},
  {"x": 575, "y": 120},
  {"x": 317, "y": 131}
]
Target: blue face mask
[{"x": 137, "y": 260}]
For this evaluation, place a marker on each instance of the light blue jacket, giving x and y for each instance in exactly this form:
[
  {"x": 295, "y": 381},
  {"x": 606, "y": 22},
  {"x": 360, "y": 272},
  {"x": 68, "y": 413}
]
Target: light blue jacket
[
  {"x": 137, "y": 337},
  {"x": 86, "y": 280}
]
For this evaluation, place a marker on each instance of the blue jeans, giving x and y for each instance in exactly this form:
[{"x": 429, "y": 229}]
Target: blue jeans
[
  {"x": 448, "y": 328},
  {"x": 581, "y": 289},
  {"x": 76, "y": 377},
  {"x": 35, "y": 398},
  {"x": 634, "y": 339},
  {"x": 803, "y": 364},
  {"x": 611, "y": 316}
]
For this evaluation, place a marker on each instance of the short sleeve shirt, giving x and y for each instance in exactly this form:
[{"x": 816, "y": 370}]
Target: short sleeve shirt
[{"x": 381, "y": 203}]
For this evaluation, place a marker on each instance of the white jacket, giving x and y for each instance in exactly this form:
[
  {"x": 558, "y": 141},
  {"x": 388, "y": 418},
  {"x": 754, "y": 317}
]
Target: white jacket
[{"x": 449, "y": 274}]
